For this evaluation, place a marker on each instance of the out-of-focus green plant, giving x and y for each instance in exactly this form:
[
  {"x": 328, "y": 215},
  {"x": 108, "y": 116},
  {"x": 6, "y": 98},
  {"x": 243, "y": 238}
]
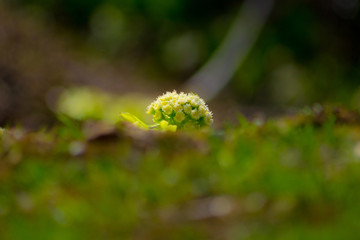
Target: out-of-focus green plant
[
  {"x": 85, "y": 103},
  {"x": 82, "y": 104}
]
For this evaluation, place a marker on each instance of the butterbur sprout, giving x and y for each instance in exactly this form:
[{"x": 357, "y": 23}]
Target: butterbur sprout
[{"x": 185, "y": 111}]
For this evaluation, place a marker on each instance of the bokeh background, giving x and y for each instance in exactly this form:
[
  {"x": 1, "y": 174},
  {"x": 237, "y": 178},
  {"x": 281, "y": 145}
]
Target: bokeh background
[
  {"x": 302, "y": 52},
  {"x": 64, "y": 63}
]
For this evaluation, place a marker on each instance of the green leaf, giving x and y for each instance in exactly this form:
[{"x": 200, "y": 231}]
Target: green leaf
[{"x": 128, "y": 117}]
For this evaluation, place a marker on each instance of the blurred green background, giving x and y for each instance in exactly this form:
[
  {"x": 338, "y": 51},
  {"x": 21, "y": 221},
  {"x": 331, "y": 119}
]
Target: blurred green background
[{"x": 305, "y": 52}]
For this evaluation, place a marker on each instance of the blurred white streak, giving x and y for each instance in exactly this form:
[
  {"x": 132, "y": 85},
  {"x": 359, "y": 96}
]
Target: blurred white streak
[{"x": 219, "y": 69}]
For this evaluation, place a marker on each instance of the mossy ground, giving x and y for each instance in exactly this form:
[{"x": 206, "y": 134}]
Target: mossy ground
[{"x": 287, "y": 178}]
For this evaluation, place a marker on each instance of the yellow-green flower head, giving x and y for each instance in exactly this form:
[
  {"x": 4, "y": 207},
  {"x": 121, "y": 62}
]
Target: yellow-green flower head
[{"x": 183, "y": 110}]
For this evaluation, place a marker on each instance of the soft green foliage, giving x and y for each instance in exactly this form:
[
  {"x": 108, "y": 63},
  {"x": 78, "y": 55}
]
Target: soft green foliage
[
  {"x": 86, "y": 103},
  {"x": 186, "y": 111},
  {"x": 286, "y": 179}
]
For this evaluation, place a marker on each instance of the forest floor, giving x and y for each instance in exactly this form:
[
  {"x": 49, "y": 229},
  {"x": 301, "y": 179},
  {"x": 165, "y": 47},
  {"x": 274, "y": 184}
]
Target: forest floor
[{"x": 286, "y": 178}]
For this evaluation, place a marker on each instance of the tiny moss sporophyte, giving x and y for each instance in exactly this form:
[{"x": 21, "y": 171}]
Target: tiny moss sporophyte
[{"x": 172, "y": 111}]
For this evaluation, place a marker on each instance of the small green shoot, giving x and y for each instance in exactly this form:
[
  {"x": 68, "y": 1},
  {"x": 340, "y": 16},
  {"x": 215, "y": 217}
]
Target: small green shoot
[{"x": 128, "y": 117}]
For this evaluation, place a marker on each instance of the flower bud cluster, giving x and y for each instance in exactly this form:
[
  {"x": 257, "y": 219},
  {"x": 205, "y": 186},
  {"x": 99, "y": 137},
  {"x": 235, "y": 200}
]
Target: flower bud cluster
[{"x": 183, "y": 110}]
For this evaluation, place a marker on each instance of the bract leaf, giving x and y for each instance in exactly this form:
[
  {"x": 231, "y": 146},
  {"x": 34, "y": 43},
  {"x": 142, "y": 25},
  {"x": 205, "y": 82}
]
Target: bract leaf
[{"x": 128, "y": 117}]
